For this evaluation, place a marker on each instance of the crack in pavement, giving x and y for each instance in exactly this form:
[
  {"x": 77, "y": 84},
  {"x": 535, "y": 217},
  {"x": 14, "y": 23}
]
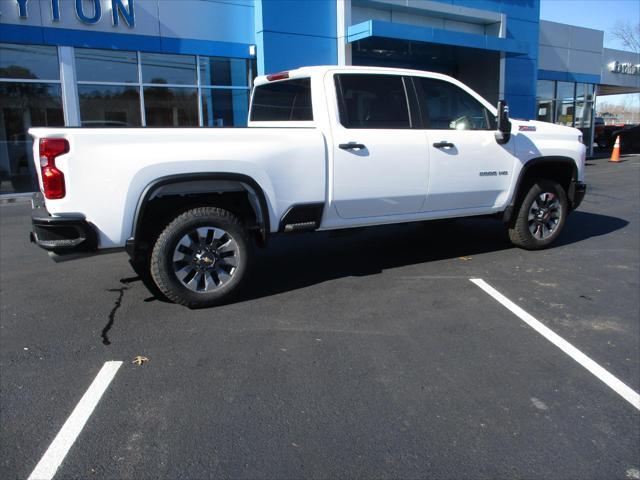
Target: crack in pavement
[{"x": 112, "y": 314}]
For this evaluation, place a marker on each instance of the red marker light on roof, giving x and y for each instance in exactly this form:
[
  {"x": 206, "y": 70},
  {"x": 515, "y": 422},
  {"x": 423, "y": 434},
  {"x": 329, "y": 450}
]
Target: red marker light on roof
[
  {"x": 52, "y": 178},
  {"x": 278, "y": 76}
]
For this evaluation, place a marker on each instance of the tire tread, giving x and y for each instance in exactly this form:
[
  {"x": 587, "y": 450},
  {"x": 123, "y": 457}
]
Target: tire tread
[
  {"x": 157, "y": 256},
  {"x": 519, "y": 231}
]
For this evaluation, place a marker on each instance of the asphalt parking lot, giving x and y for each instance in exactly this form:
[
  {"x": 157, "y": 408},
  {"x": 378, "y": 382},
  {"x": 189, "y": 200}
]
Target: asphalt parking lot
[{"x": 369, "y": 356}]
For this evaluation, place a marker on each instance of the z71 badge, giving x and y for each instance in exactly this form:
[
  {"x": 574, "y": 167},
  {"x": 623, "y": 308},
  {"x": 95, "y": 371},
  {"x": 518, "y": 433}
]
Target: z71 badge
[{"x": 527, "y": 128}]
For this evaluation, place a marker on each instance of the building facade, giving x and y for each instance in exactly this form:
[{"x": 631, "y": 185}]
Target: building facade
[{"x": 179, "y": 63}]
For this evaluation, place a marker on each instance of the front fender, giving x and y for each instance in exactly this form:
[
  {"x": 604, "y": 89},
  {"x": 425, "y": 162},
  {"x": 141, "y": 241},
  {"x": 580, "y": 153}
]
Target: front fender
[{"x": 560, "y": 168}]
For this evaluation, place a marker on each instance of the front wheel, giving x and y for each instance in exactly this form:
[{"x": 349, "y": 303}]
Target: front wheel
[
  {"x": 541, "y": 216},
  {"x": 202, "y": 257}
]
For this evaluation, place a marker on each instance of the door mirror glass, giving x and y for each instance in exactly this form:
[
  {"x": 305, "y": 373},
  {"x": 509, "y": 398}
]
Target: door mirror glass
[{"x": 504, "y": 125}]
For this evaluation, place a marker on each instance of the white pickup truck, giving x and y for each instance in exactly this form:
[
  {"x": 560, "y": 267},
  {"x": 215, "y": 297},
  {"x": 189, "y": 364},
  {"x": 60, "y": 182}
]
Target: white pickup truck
[{"x": 326, "y": 148}]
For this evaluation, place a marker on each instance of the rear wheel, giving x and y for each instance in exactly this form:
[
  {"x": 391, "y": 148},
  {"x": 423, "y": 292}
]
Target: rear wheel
[
  {"x": 541, "y": 216},
  {"x": 202, "y": 257}
]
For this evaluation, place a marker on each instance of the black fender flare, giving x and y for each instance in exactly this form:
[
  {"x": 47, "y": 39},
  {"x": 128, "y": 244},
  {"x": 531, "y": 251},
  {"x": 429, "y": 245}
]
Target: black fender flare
[
  {"x": 151, "y": 188},
  {"x": 510, "y": 210}
]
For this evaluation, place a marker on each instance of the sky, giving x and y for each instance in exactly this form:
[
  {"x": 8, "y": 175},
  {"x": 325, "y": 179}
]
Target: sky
[{"x": 598, "y": 14}]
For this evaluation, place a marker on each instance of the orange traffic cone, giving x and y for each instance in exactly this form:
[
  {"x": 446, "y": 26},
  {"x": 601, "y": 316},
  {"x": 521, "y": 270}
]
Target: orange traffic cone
[{"x": 615, "y": 155}]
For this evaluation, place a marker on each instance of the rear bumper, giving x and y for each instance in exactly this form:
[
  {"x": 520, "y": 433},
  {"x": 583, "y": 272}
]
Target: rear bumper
[{"x": 61, "y": 235}]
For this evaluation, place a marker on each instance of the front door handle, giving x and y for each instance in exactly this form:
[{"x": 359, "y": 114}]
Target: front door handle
[
  {"x": 352, "y": 146},
  {"x": 443, "y": 144}
]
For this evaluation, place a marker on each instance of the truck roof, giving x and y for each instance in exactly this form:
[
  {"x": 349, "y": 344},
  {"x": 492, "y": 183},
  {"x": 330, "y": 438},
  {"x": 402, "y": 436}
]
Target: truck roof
[{"x": 322, "y": 69}]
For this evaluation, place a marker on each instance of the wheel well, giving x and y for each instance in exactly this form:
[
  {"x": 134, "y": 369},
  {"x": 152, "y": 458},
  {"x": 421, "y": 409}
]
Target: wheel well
[
  {"x": 165, "y": 200},
  {"x": 559, "y": 169},
  {"x": 561, "y": 172}
]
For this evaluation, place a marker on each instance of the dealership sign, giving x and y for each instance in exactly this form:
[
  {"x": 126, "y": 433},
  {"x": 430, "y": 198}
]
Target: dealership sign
[
  {"x": 626, "y": 68},
  {"x": 89, "y": 11}
]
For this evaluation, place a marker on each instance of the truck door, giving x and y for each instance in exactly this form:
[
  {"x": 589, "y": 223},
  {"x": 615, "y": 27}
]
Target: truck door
[
  {"x": 468, "y": 168},
  {"x": 380, "y": 164}
]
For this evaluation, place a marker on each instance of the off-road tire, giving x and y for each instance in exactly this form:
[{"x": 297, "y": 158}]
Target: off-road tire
[
  {"x": 162, "y": 257},
  {"x": 519, "y": 231}
]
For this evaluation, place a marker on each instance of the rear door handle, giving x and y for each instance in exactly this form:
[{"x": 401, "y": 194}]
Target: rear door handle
[
  {"x": 443, "y": 144},
  {"x": 352, "y": 146}
]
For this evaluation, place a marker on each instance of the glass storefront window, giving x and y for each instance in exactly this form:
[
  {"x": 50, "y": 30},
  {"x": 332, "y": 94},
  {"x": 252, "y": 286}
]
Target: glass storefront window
[
  {"x": 106, "y": 66},
  {"x": 29, "y": 62},
  {"x": 565, "y": 91},
  {"x": 171, "y": 107},
  {"x": 168, "y": 69},
  {"x": 115, "y": 88},
  {"x": 584, "y": 110},
  {"x": 584, "y": 91},
  {"x": 109, "y": 106},
  {"x": 546, "y": 89},
  {"x": 25, "y": 102},
  {"x": 545, "y": 111},
  {"x": 564, "y": 104},
  {"x": 219, "y": 71},
  {"x": 545, "y": 106},
  {"x": 564, "y": 112},
  {"x": 567, "y": 103},
  {"x": 225, "y": 108},
  {"x": 24, "y": 105}
]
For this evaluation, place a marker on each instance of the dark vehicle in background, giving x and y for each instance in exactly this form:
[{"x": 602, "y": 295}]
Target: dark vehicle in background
[
  {"x": 629, "y": 138},
  {"x": 598, "y": 129},
  {"x": 599, "y": 123},
  {"x": 603, "y": 135}
]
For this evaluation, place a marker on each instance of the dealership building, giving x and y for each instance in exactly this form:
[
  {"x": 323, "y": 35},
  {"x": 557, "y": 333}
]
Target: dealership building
[{"x": 191, "y": 62}]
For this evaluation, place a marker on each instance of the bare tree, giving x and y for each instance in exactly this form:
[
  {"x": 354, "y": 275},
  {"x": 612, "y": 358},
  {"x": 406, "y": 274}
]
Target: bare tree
[{"x": 628, "y": 34}]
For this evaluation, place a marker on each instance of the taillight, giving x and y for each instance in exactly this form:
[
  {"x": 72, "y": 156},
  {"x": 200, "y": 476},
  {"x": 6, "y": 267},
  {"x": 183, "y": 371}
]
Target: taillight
[
  {"x": 278, "y": 76},
  {"x": 52, "y": 178}
]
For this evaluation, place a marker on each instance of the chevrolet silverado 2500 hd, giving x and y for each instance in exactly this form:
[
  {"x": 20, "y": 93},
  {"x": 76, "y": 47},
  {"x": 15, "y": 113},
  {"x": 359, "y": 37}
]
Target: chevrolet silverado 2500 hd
[{"x": 325, "y": 148}]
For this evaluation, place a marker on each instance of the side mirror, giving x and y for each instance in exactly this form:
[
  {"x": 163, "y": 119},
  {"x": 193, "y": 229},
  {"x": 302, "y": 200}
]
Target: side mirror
[{"x": 504, "y": 125}]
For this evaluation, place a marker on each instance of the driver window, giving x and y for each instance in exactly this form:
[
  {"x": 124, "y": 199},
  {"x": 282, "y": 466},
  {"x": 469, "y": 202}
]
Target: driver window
[{"x": 448, "y": 107}]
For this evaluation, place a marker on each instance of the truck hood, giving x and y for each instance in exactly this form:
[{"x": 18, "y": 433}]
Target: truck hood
[
  {"x": 533, "y": 139},
  {"x": 535, "y": 128}
]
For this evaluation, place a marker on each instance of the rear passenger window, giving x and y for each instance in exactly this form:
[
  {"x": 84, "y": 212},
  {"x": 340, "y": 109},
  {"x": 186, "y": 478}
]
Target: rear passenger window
[
  {"x": 289, "y": 100},
  {"x": 447, "y": 107},
  {"x": 372, "y": 101}
]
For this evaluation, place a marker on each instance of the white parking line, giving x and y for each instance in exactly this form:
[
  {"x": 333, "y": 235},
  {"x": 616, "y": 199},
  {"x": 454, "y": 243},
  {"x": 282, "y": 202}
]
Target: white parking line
[
  {"x": 610, "y": 380},
  {"x": 53, "y": 457}
]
